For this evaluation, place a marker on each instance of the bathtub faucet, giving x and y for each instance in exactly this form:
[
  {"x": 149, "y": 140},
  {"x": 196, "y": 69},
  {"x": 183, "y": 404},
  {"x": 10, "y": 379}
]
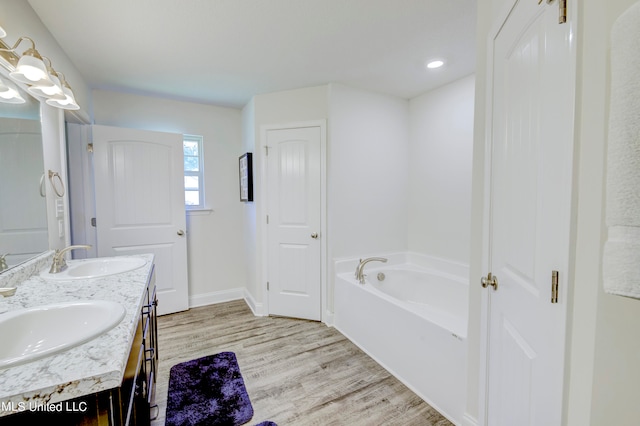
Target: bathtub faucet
[{"x": 360, "y": 268}]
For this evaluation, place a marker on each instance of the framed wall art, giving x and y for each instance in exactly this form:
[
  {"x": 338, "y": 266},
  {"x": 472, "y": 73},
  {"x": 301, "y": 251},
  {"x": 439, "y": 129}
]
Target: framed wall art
[{"x": 246, "y": 177}]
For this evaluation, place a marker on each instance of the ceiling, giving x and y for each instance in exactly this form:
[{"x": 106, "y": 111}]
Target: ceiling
[{"x": 223, "y": 52}]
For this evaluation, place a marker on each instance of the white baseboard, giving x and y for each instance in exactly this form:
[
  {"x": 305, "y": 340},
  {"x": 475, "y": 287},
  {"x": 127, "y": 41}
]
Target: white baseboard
[
  {"x": 328, "y": 318},
  {"x": 216, "y": 297},
  {"x": 468, "y": 420},
  {"x": 256, "y": 308}
]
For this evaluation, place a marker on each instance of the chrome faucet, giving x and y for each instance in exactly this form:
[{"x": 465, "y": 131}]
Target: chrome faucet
[
  {"x": 59, "y": 264},
  {"x": 360, "y": 268}
]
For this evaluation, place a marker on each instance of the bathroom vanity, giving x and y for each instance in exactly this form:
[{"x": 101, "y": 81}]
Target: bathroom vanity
[{"x": 109, "y": 380}]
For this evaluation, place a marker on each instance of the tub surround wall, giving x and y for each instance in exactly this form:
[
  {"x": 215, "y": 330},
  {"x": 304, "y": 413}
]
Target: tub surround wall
[
  {"x": 368, "y": 172},
  {"x": 457, "y": 270},
  {"x": 440, "y": 153}
]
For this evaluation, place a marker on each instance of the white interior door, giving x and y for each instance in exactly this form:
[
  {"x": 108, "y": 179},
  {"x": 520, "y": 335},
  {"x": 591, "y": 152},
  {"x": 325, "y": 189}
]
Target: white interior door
[
  {"x": 294, "y": 234},
  {"x": 530, "y": 201},
  {"x": 139, "y": 179}
]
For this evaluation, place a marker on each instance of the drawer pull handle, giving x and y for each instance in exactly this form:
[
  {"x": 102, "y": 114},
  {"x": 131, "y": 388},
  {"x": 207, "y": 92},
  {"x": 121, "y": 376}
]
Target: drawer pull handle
[{"x": 152, "y": 352}]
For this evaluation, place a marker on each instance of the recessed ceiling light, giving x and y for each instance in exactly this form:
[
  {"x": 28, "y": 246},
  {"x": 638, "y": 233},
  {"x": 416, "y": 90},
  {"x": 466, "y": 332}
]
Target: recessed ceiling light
[{"x": 435, "y": 64}]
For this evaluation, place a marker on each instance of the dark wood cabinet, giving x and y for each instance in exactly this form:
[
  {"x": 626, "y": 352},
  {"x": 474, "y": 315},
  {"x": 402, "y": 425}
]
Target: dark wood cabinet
[{"x": 135, "y": 399}]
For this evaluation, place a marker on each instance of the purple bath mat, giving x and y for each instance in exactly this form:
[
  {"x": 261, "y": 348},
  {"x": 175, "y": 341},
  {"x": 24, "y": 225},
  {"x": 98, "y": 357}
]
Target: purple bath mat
[{"x": 208, "y": 391}]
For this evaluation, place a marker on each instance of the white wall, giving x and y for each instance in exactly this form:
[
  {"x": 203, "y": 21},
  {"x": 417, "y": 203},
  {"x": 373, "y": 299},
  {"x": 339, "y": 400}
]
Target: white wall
[
  {"x": 368, "y": 172},
  {"x": 440, "y": 153},
  {"x": 249, "y": 209},
  {"x": 214, "y": 239},
  {"x": 615, "y": 392},
  {"x": 55, "y": 159},
  {"x": 476, "y": 269}
]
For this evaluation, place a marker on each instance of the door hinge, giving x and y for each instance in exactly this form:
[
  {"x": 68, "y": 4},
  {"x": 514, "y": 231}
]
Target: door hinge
[
  {"x": 267, "y": 219},
  {"x": 93, "y": 222},
  {"x": 89, "y": 147},
  {"x": 554, "y": 286},
  {"x": 266, "y": 150},
  {"x": 562, "y": 6},
  {"x": 563, "y": 11},
  {"x": 267, "y": 285}
]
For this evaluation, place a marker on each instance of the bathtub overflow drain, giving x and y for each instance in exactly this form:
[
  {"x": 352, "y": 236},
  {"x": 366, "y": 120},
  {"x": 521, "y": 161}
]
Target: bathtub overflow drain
[{"x": 381, "y": 276}]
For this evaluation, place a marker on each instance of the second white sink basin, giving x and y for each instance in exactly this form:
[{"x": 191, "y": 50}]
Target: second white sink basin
[
  {"x": 33, "y": 333},
  {"x": 96, "y": 268}
]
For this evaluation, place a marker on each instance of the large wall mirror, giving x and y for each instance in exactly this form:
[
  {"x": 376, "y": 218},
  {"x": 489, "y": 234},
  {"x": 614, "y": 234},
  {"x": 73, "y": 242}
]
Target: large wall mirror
[{"x": 23, "y": 208}]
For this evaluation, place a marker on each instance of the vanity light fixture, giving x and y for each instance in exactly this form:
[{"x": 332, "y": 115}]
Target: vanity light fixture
[
  {"x": 30, "y": 68},
  {"x": 69, "y": 101},
  {"x": 49, "y": 92},
  {"x": 40, "y": 77},
  {"x": 435, "y": 64},
  {"x": 9, "y": 95}
]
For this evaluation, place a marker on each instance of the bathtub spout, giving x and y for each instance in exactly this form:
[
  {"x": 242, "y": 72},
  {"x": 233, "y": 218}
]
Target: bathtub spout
[{"x": 360, "y": 268}]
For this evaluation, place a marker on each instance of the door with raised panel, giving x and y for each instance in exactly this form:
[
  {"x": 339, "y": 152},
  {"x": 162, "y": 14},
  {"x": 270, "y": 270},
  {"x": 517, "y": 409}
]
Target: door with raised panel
[
  {"x": 294, "y": 202},
  {"x": 139, "y": 189},
  {"x": 530, "y": 202}
]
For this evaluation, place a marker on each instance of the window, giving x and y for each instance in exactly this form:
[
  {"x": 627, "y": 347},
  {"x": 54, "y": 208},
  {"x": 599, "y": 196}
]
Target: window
[{"x": 193, "y": 172}]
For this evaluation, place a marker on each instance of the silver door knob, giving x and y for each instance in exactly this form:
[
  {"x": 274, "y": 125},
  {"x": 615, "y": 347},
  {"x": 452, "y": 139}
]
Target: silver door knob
[
  {"x": 314, "y": 235},
  {"x": 490, "y": 280},
  {"x": 181, "y": 232}
]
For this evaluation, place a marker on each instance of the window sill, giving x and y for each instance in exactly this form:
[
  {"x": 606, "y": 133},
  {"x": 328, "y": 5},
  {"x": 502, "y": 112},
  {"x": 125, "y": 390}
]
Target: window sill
[{"x": 198, "y": 212}]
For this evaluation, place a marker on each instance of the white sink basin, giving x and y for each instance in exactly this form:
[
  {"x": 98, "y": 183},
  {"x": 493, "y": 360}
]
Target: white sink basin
[
  {"x": 95, "y": 268},
  {"x": 32, "y": 333}
]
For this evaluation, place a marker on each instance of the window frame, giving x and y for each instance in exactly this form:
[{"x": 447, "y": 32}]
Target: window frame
[{"x": 199, "y": 174}]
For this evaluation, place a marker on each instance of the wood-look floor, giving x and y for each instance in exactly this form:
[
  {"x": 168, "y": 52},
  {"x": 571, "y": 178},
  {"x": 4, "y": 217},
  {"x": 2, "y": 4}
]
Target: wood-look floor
[{"x": 296, "y": 372}]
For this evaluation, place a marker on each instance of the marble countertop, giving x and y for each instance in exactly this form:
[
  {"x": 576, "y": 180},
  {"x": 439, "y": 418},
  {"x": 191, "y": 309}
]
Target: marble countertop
[{"x": 89, "y": 368}]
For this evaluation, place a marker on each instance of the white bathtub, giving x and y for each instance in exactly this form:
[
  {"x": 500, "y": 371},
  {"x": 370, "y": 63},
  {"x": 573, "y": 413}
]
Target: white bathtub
[{"x": 414, "y": 323}]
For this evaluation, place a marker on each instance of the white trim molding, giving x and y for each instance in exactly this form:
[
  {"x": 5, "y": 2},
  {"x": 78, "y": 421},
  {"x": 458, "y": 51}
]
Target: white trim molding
[{"x": 214, "y": 297}]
